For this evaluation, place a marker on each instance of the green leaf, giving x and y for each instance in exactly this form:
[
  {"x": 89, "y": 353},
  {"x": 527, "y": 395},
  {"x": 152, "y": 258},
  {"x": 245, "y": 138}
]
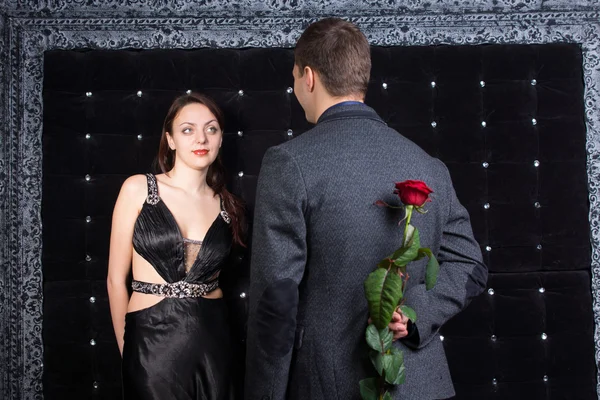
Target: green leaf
[
  {"x": 432, "y": 271},
  {"x": 381, "y": 362},
  {"x": 387, "y": 396},
  {"x": 409, "y": 234},
  {"x": 379, "y": 340},
  {"x": 410, "y": 252},
  {"x": 372, "y": 336},
  {"x": 368, "y": 389},
  {"x": 395, "y": 371},
  {"x": 401, "y": 378},
  {"x": 377, "y": 361},
  {"x": 433, "y": 267},
  {"x": 422, "y": 253},
  {"x": 409, "y": 312},
  {"x": 386, "y": 337},
  {"x": 385, "y": 263},
  {"x": 383, "y": 290},
  {"x": 398, "y": 253}
]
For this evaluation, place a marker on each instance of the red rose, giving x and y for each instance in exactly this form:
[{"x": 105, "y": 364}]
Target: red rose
[{"x": 413, "y": 193}]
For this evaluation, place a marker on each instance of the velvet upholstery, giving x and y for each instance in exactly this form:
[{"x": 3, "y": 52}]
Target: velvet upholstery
[{"x": 530, "y": 336}]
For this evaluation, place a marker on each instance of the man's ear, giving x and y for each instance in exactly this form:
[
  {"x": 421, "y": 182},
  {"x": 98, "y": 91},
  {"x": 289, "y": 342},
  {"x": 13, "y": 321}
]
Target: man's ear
[{"x": 309, "y": 79}]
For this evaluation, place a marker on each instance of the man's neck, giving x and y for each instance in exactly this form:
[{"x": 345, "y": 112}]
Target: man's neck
[{"x": 329, "y": 101}]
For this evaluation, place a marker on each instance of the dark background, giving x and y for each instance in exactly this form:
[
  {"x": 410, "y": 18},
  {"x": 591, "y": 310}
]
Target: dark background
[{"x": 530, "y": 336}]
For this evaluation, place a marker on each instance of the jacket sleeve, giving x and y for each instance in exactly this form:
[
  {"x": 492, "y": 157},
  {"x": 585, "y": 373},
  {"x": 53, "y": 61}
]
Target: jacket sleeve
[
  {"x": 462, "y": 274},
  {"x": 277, "y": 267}
]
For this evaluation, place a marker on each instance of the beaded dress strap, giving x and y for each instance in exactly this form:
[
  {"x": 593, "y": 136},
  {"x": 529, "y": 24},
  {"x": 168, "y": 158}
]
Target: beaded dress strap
[
  {"x": 153, "y": 197},
  {"x": 224, "y": 214}
]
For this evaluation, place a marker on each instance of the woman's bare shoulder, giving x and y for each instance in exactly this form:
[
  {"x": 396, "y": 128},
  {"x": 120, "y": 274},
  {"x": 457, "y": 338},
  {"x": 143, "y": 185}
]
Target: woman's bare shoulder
[{"x": 135, "y": 188}]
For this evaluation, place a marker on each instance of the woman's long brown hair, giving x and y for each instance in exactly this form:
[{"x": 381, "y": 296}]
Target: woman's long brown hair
[{"x": 215, "y": 177}]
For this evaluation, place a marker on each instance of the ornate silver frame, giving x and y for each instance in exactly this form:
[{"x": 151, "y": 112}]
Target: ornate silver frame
[{"x": 31, "y": 27}]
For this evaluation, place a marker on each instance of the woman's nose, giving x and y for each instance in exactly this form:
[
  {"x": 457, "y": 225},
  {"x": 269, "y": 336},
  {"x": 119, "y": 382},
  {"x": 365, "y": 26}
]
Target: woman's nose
[{"x": 201, "y": 137}]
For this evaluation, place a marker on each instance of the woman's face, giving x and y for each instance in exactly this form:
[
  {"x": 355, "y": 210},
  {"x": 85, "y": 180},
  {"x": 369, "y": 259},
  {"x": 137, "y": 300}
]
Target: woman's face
[{"x": 196, "y": 136}]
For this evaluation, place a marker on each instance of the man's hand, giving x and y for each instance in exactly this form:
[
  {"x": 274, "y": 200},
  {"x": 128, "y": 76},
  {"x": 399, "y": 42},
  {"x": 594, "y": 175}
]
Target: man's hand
[{"x": 398, "y": 325}]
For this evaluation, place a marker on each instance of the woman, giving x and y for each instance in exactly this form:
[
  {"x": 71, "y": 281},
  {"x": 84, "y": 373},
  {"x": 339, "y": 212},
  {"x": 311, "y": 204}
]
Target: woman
[{"x": 175, "y": 231}]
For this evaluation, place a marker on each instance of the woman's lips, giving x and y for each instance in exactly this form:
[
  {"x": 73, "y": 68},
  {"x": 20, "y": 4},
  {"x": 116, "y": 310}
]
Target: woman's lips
[{"x": 201, "y": 152}]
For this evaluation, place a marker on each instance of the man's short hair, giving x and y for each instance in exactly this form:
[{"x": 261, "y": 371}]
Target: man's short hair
[{"x": 339, "y": 52}]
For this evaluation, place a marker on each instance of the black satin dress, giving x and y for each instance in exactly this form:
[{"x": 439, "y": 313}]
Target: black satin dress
[{"x": 179, "y": 348}]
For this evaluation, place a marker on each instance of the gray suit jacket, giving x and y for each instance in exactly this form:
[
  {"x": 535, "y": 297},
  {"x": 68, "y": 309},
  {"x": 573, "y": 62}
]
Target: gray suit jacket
[{"x": 317, "y": 235}]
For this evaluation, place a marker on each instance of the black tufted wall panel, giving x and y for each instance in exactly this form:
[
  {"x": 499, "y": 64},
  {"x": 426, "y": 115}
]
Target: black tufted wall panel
[{"x": 507, "y": 120}]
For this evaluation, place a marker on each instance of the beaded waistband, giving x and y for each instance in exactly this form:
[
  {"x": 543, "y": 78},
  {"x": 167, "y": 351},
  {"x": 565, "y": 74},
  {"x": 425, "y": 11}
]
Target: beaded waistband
[{"x": 180, "y": 289}]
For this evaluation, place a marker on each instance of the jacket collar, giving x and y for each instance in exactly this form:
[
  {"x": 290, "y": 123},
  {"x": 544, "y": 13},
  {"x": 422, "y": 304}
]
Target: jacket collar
[{"x": 349, "y": 110}]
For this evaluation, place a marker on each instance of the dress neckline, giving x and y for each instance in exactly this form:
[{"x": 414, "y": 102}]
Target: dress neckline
[
  {"x": 155, "y": 194},
  {"x": 181, "y": 237},
  {"x": 158, "y": 200}
]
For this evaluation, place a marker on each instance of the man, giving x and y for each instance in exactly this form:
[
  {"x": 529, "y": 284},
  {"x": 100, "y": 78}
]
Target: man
[{"x": 318, "y": 234}]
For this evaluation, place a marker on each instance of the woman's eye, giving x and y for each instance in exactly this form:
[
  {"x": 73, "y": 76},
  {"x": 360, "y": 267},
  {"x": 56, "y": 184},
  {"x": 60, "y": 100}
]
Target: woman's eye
[
  {"x": 212, "y": 129},
  {"x": 187, "y": 130}
]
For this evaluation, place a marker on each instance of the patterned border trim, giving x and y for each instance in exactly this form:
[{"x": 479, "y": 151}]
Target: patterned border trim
[
  {"x": 4, "y": 265},
  {"x": 291, "y": 7},
  {"x": 26, "y": 37},
  {"x": 165, "y": 7}
]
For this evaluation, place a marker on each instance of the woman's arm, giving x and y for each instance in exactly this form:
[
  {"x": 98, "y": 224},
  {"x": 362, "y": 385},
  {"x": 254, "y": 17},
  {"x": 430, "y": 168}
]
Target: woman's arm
[{"x": 125, "y": 214}]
